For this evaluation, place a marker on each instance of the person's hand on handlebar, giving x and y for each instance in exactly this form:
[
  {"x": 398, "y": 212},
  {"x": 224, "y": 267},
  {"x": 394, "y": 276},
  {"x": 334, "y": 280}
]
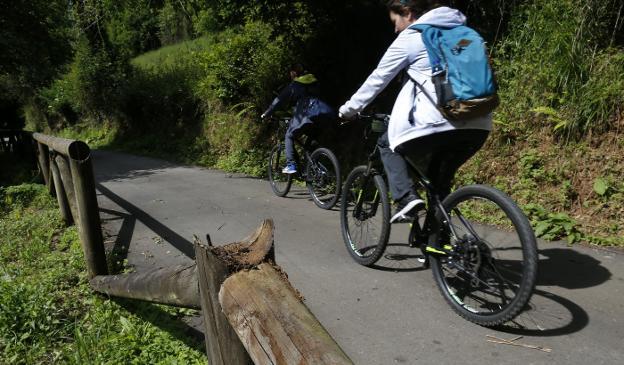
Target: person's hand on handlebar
[
  {"x": 346, "y": 114},
  {"x": 344, "y": 120}
]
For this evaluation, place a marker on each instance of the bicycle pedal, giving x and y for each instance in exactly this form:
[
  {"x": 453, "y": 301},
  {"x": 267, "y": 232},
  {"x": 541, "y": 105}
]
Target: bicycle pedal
[{"x": 424, "y": 260}]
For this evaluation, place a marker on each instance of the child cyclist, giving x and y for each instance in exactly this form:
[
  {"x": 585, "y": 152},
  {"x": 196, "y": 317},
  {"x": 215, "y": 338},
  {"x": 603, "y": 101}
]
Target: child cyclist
[
  {"x": 417, "y": 129},
  {"x": 309, "y": 110}
]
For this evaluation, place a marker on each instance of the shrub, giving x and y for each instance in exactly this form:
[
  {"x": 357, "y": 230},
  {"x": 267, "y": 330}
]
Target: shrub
[
  {"x": 246, "y": 66},
  {"x": 161, "y": 97},
  {"x": 557, "y": 62}
]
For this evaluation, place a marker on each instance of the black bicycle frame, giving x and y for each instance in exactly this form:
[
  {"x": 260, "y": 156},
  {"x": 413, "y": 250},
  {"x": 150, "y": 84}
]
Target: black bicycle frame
[{"x": 435, "y": 215}]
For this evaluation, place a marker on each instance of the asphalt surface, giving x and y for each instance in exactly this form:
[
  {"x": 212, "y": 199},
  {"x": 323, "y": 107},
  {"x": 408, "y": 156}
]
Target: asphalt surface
[{"x": 394, "y": 314}]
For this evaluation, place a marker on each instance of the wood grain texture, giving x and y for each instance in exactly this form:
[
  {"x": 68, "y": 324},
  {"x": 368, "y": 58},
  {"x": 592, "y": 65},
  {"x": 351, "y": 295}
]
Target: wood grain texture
[{"x": 272, "y": 322}]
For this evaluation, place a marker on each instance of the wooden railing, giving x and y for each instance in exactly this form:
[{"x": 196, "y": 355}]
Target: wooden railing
[
  {"x": 67, "y": 171},
  {"x": 251, "y": 312}
]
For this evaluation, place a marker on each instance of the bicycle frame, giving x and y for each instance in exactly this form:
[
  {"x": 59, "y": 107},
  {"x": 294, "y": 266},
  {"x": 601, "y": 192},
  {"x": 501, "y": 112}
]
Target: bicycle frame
[{"x": 435, "y": 208}]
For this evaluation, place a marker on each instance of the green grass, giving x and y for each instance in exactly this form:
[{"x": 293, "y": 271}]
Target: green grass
[
  {"x": 95, "y": 136},
  {"x": 168, "y": 56},
  {"x": 560, "y": 66},
  {"x": 48, "y": 314}
]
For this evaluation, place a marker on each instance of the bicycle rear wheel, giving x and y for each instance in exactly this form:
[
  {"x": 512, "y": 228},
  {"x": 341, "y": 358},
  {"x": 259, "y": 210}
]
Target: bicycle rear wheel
[
  {"x": 323, "y": 178},
  {"x": 365, "y": 216},
  {"x": 489, "y": 268},
  {"x": 280, "y": 182}
]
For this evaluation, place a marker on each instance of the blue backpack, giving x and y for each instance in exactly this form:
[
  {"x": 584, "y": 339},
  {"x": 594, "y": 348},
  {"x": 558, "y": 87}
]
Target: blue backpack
[{"x": 462, "y": 75}]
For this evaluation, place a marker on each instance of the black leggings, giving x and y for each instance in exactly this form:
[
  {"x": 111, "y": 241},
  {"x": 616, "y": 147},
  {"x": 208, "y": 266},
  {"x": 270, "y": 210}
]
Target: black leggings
[{"x": 439, "y": 155}]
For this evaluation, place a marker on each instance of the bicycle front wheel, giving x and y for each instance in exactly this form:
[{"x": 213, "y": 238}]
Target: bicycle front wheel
[
  {"x": 323, "y": 178},
  {"x": 365, "y": 216},
  {"x": 488, "y": 270},
  {"x": 280, "y": 182}
]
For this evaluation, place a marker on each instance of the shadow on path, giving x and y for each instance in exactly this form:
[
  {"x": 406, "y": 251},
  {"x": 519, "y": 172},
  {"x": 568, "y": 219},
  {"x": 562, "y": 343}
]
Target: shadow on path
[
  {"x": 123, "y": 238},
  {"x": 548, "y": 315},
  {"x": 570, "y": 269},
  {"x": 177, "y": 241},
  {"x": 125, "y": 169}
]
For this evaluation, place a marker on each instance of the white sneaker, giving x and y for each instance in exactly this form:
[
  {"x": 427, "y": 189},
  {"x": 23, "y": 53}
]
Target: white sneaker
[{"x": 405, "y": 212}]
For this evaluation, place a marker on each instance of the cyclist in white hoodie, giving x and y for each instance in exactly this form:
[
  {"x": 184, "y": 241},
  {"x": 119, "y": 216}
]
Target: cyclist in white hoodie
[{"x": 417, "y": 130}]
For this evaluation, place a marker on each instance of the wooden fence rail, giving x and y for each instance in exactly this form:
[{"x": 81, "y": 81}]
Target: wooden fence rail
[{"x": 67, "y": 171}]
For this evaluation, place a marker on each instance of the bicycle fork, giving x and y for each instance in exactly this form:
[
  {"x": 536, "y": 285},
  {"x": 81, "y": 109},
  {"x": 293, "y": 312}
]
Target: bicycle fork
[{"x": 357, "y": 211}]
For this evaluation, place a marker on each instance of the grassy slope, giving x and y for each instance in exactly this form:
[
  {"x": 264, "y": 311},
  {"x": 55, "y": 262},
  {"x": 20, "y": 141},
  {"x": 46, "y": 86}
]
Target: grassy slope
[
  {"x": 560, "y": 186},
  {"x": 48, "y": 314},
  {"x": 167, "y": 56}
]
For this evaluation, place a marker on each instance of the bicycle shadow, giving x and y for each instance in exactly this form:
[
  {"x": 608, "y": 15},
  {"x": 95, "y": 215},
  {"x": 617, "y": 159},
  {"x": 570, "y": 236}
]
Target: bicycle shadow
[
  {"x": 570, "y": 269},
  {"x": 304, "y": 194},
  {"x": 549, "y": 314},
  {"x": 297, "y": 193},
  {"x": 400, "y": 257}
]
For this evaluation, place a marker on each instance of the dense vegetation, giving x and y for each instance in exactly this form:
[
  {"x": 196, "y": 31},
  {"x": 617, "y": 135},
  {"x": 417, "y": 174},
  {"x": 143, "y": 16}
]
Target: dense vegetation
[{"x": 196, "y": 74}]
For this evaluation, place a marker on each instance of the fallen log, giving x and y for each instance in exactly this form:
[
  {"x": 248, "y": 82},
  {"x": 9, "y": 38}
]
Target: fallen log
[
  {"x": 175, "y": 286},
  {"x": 178, "y": 285},
  {"x": 273, "y": 323}
]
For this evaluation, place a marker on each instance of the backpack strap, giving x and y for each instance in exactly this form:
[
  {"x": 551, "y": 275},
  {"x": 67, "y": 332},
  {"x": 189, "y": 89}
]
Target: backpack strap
[
  {"x": 429, "y": 33},
  {"x": 422, "y": 89}
]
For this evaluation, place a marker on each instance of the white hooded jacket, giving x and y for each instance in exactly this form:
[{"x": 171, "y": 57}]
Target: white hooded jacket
[{"x": 413, "y": 114}]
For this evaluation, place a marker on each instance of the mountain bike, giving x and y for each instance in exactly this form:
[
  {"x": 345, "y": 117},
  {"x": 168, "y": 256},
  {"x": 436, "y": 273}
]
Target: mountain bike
[
  {"x": 477, "y": 241},
  {"x": 321, "y": 173}
]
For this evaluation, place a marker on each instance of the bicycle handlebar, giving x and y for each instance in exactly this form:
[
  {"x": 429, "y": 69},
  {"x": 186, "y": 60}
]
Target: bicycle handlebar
[{"x": 368, "y": 117}]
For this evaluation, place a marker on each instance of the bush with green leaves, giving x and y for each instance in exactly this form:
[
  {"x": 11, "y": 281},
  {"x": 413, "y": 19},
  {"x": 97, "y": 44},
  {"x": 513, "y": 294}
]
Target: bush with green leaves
[
  {"x": 161, "y": 98},
  {"x": 552, "y": 226},
  {"x": 245, "y": 67}
]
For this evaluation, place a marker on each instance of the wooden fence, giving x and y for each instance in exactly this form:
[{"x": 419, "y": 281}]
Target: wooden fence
[{"x": 251, "y": 312}]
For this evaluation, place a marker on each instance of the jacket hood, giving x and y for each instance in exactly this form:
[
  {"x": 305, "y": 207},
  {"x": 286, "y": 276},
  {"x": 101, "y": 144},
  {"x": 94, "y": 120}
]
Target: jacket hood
[{"x": 444, "y": 17}]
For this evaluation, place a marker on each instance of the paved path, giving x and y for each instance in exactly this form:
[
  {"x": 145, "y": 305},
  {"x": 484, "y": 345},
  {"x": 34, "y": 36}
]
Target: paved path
[{"x": 391, "y": 315}]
